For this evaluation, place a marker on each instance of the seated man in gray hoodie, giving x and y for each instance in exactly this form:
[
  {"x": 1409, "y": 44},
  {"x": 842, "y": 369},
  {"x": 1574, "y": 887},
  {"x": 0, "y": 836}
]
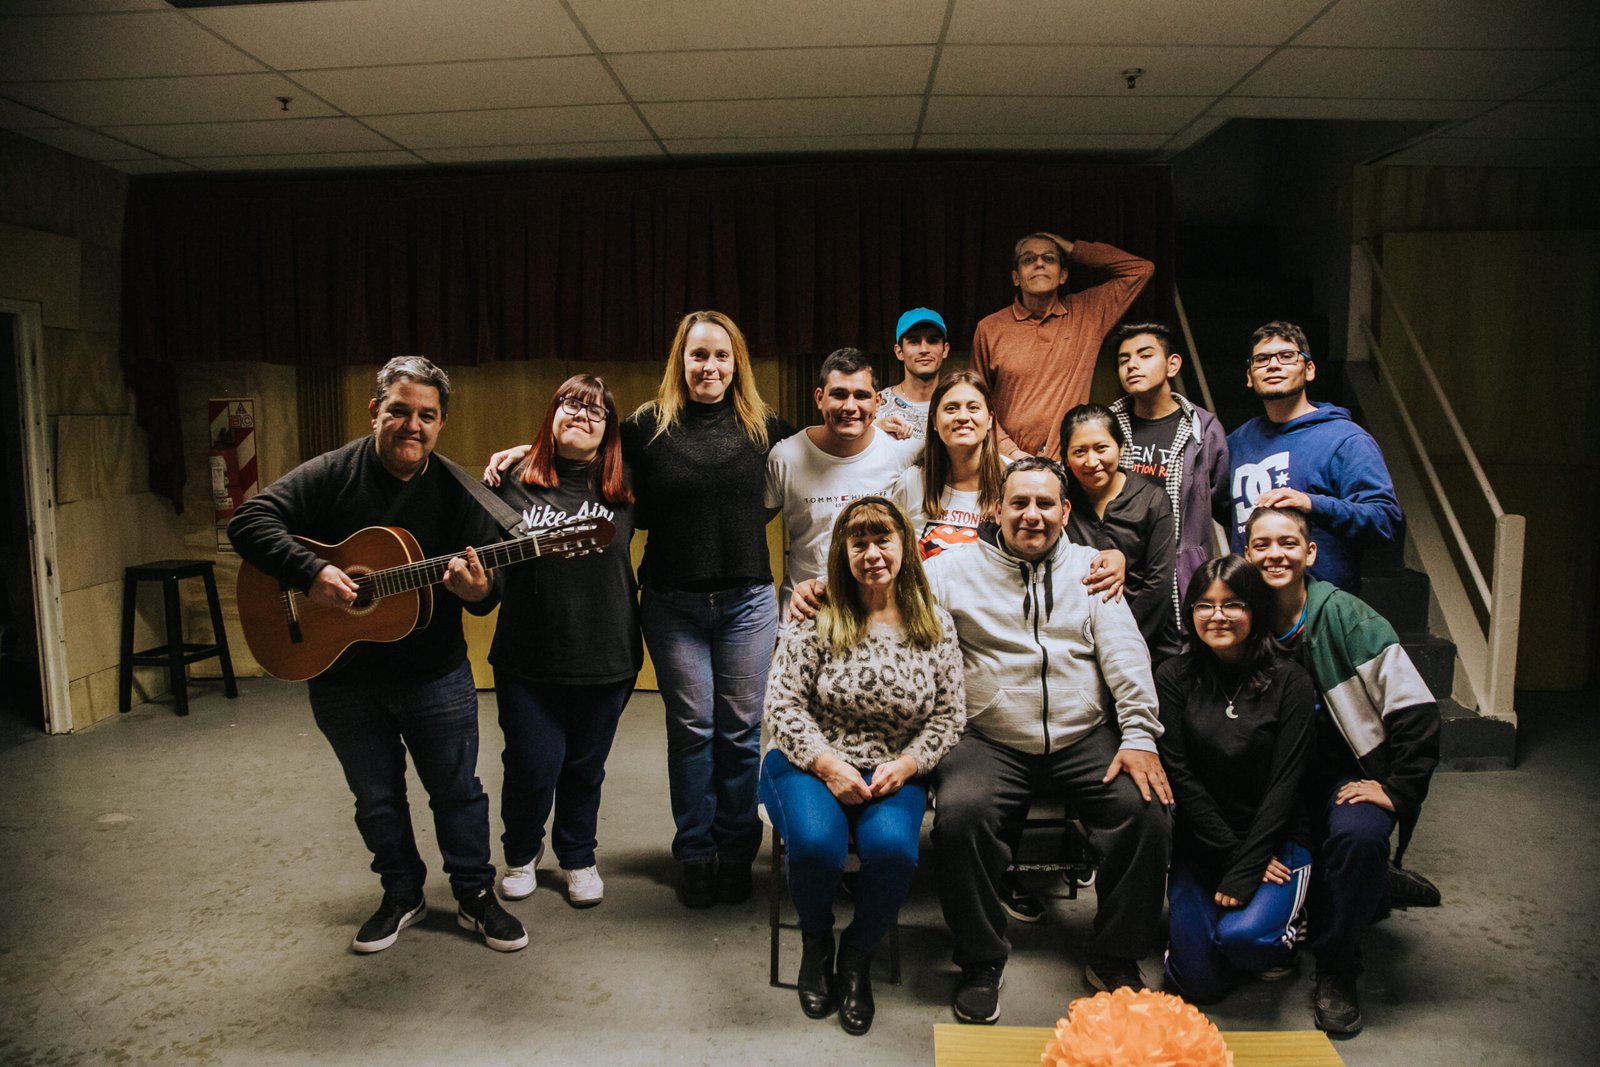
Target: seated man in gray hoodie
[{"x": 1060, "y": 701}]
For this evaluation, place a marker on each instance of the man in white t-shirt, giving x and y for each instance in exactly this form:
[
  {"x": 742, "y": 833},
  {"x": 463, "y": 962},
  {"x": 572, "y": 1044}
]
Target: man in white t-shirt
[
  {"x": 819, "y": 470},
  {"x": 921, "y": 347}
]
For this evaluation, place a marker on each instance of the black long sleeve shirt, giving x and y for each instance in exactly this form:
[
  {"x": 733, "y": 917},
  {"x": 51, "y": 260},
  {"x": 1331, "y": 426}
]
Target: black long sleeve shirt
[
  {"x": 331, "y": 497},
  {"x": 1235, "y": 779},
  {"x": 1138, "y": 523}
]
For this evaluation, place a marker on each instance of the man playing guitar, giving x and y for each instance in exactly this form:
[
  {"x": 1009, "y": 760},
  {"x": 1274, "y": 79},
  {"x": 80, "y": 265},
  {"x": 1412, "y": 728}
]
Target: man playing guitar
[{"x": 416, "y": 695}]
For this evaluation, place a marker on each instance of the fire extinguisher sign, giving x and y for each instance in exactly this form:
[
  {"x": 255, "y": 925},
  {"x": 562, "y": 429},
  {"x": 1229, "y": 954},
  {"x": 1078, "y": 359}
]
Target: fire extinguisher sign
[{"x": 234, "y": 477}]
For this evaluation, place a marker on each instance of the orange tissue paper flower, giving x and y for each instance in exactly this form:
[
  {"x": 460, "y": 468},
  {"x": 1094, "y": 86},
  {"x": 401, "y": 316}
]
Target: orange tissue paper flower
[{"x": 1128, "y": 1029}]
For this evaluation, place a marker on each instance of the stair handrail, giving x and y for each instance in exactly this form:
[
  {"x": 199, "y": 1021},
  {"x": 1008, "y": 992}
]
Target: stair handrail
[{"x": 1501, "y": 593}]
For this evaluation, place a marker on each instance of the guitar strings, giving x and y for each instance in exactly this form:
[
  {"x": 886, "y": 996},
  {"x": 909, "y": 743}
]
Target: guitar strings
[{"x": 409, "y": 576}]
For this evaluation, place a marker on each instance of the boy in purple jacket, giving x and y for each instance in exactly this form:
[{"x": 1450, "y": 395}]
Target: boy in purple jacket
[{"x": 1310, "y": 457}]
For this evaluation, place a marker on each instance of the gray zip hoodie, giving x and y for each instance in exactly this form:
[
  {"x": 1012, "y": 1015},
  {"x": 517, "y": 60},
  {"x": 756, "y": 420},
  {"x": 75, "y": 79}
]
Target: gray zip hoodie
[{"x": 1044, "y": 660}]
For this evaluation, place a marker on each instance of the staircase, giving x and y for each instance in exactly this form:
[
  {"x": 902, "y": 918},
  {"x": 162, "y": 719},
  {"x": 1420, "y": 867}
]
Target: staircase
[{"x": 1232, "y": 281}]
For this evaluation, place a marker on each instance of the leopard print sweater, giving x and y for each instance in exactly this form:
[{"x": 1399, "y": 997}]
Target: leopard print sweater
[{"x": 876, "y": 702}]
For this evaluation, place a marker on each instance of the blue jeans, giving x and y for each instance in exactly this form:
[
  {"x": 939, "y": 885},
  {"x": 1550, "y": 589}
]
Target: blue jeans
[
  {"x": 371, "y": 727},
  {"x": 1214, "y": 948},
  {"x": 557, "y": 741},
  {"x": 711, "y": 653},
  {"x": 816, "y": 831},
  {"x": 1350, "y": 889}
]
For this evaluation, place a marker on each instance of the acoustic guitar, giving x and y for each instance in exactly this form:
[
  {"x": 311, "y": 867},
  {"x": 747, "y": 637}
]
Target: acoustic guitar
[{"x": 295, "y": 638}]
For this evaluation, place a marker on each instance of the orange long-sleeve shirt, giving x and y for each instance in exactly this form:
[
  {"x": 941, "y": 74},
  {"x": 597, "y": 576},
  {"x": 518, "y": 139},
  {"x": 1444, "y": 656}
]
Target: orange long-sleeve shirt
[{"x": 1038, "y": 368}]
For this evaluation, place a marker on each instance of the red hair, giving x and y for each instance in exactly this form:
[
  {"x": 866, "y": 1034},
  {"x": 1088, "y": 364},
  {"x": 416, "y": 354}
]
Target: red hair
[{"x": 605, "y": 471}]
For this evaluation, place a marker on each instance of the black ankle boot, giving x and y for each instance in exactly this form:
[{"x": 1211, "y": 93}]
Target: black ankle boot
[
  {"x": 855, "y": 989},
  {"x": 816, "y": 975}
]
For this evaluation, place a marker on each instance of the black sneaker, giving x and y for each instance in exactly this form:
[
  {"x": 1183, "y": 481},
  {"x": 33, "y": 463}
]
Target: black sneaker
[
  {"x": 1019, "y": 903},
  {"x": 733, "y": 884},
  {"x": 977, "y": 998},
  {"x": 500, "y": 929},
  {"x": 1107, "y": 973},
  {"x": 1334, "y": 1005},
  {"x": 393, "y": 915},
  {"x": 1408, "y": 889},
  {"x": 699, "y": 886}
]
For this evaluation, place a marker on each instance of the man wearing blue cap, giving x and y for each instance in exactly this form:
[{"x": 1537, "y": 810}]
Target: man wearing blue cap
[{"x": 920, "y": 345}]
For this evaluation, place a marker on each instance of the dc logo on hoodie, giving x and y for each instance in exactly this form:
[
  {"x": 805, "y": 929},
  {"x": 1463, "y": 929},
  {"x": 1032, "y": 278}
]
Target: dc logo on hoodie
[{"x": 1252, "y": 481}]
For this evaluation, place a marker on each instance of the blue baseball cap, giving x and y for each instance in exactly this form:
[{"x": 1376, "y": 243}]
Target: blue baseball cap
[{"x": 916, "y": 317}]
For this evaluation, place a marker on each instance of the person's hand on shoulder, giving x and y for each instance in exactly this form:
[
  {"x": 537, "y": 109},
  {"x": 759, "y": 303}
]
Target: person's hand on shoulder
[
  {"x": 504, "y": 460},
  {"x": 806, "y": 600}
]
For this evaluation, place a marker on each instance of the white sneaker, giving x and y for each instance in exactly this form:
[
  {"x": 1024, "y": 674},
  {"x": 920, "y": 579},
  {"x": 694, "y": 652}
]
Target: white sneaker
[
  {"x": 584, "y": 887},
  {"x": 520, "y": 882}
]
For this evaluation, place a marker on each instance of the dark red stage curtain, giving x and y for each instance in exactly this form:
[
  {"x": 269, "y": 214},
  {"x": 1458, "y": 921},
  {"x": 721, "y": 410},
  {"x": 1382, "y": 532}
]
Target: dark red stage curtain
[{"x": 591, "y": 265}]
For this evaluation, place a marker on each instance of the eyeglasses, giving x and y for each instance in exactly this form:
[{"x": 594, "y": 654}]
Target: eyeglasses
[
  {"x": 1028, "y": 259},
  {"x": 1231, "y": 609},
  {"x": 1262, "y": 359},
  {"x": 575, "y": 406}
]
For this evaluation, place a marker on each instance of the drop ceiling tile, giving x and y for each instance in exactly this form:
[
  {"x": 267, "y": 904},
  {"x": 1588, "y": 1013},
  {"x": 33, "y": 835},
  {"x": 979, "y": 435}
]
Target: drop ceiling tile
[
  {"x": 290, "y": 137},
  {"x": 784, "y": 118},
  {"x": 569, "y": 150},
  {"x": 14, "y": 116},
  {"x": 78, "y": 7},
  {"x": 763, "y": 73},
  {"x": 528, "y": 125},
  {"x": 1061, "y": 114},
  {"x": 1534, "y": 120},
  {"x": 1453, "y": 24},
  {"x": 743, "y": 146},
  {"x": 86, "y": 143},
  {"x": 1580, "y": 85},
  {"x": 348, "y": 33},
  {"x": 1486, "y": 152},
  {"x": 1289, "y": 107},
  {"x": 495, "y": 83},
  {"x": 674, "y": 25},
  {"x": 157, "y": 44},
  {"x": 127, "y": 102},
  {"x": 1400, "y": 73},
  {"x": 1224, "y": 22},
  {"x": 153, "y": 165},
  {"x": 1067, "y": 70},
  {"x": 1047, "y": 142},
  {"x": 310, "y": 161}
]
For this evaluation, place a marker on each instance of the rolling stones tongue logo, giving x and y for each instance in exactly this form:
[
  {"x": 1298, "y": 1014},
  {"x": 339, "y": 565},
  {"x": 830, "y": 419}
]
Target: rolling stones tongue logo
[{"x": 940, "y": 537}]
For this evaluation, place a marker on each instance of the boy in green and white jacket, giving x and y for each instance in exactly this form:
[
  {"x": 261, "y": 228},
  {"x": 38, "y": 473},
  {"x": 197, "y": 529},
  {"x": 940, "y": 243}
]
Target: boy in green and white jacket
[{"x": 1374, "y": 751}]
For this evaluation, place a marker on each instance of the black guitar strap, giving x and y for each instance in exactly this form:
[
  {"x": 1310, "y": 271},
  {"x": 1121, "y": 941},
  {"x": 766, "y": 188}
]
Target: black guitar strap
[{"x": 502, "y": 513}]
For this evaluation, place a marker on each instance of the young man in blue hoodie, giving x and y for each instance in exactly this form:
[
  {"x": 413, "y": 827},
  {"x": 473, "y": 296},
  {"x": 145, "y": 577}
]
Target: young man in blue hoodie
[{"x": 1310, "y": 457}]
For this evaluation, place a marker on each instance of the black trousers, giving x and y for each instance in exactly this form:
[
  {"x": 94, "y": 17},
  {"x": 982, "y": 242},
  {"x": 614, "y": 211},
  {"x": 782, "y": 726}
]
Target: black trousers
[{"x": 983, "y": 793}]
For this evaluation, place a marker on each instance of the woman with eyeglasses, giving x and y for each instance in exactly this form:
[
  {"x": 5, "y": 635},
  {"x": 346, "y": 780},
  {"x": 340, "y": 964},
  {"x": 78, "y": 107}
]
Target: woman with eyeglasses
[
  {"x": 1112, "y": 508},
  {"x": 1237, "y": 718},
  {"x": 566, "y": 648},
  {"x": 863, "y": 701}
]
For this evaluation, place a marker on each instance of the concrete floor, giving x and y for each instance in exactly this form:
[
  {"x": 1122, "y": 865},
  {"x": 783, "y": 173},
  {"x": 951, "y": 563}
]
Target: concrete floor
[{"x": 184, "y": 891}]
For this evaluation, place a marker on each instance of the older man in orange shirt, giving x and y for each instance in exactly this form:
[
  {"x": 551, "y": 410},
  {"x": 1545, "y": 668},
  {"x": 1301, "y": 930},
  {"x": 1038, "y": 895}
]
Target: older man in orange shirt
[{"x": 1037, "y": 356}]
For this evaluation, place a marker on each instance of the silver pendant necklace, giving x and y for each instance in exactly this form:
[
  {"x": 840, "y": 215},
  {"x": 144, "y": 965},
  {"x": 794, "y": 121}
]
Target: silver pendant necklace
[{"x": 1228, "y": 711}]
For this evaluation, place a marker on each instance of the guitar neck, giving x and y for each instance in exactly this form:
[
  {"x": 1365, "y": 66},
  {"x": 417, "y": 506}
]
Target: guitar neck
[{"x": 426, "y": 572}]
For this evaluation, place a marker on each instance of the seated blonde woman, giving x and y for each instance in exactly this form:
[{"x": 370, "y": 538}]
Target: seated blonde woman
[{"x": 863, "y": 700}]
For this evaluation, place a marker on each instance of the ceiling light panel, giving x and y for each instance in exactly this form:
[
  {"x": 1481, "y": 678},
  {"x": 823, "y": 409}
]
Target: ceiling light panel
[
  {"x": 515, "y": 126},
  {"x": 766, "y": 73},
  {"x": 351, "y": 33},
  {"x": 785, "y": 118},
  {"x": 677, "y": 25},
  {"x": 1215, "y": 22},
  {"x": 495, "y": 83},
  {"x": 1066, "y": 70},
  {"x": 214, "y": 98},
  {"x": 158, "y": 44}
]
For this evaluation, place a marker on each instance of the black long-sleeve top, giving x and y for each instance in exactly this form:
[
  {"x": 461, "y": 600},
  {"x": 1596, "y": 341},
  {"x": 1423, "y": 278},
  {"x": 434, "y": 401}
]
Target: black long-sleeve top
[
  {"x": 568, "y": 621},
  {"x": 1138, "y": 523},
  {"x": 701, "y": 488},
  {"x": 331, "y": 497},
  {"x": 1235, "y": 779}
]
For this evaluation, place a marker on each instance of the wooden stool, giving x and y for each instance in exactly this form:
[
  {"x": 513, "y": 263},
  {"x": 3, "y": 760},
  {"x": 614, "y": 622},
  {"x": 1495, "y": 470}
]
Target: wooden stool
[{"x": 175, "y": 655}]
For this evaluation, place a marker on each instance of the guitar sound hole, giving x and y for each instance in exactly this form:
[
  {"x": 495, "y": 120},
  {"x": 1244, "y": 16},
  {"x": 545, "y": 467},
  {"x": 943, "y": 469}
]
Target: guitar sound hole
[{"x": 365, "y": 600}]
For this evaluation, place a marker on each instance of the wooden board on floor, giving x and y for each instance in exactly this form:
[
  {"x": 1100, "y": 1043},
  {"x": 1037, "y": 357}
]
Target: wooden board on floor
[{"x": 1004, "y": 1046}]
